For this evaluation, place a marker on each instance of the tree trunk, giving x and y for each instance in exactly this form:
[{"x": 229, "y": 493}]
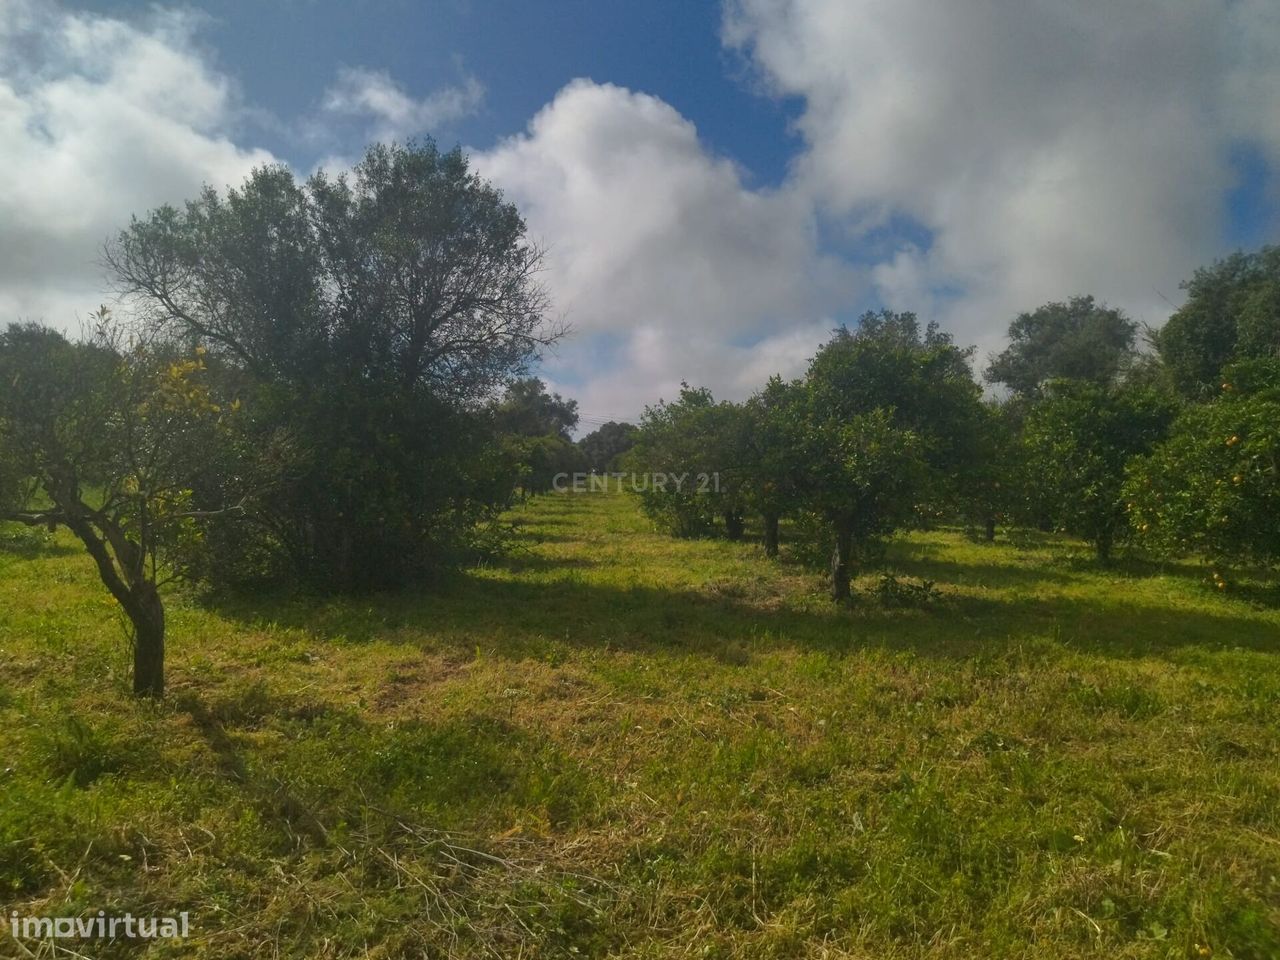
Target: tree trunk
[
  {"x": 840, "y": 562},
  {"x": 770, "y": 534},
  {"x": 733, "y": 525},
  {"x": 137, "y": 595},
  {"x": 148, "y": 642},
  {"x": 991, "y": 529},
  {"x": 1103, "y": 546}
]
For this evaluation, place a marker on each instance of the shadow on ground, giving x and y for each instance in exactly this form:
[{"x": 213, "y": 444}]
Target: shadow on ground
[{"x": 517, "y": 619}]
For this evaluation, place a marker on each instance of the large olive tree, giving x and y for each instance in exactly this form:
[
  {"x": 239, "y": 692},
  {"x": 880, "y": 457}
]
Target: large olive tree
[{"x": 368, "y": 316}]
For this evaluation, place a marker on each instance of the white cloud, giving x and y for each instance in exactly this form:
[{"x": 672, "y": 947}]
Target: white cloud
[
  {"x": 1254, "y": 93},
  {"x": 99, "y": 119},
  {"x": 655, "y": 240},
  {"x": 1050, "y": 148},
  {"x": 393, "y": 113},
  {"x": 1044, "y": 148}
]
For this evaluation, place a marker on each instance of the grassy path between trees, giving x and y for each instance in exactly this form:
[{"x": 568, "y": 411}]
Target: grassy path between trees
[{"x": 616, "y": 744}]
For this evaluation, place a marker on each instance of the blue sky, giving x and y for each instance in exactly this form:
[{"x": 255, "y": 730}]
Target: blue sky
[
  {"x": 284, "y": 54},
  {"x": 716, "y": 185}
]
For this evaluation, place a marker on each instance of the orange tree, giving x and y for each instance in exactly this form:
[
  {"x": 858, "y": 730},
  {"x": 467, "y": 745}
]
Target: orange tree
[
  {"x": 883, "y": 420},
  {"x": 107, "y": 439},
  {"x": 1213, "y": 488},
  {"x": 1077, "y": 440}
]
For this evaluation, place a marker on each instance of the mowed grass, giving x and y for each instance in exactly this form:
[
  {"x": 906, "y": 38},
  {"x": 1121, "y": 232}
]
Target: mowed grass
[{"x": 617, "y": 744}]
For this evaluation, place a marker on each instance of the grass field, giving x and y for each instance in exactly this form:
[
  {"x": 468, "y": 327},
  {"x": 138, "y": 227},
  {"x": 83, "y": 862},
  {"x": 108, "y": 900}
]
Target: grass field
[{"x": 616, "y": 744}]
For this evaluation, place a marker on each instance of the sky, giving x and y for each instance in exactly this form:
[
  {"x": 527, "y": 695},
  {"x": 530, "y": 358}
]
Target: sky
[{"x": 717, "y": 185}]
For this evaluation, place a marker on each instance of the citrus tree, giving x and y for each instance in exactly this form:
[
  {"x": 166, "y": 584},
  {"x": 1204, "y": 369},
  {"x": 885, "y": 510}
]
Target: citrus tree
[
  {"x": 1213, "y": 488},
  {"x": 1078, "y": 439},
  {"x": 690, "y": 464},
  {"x": 883, "y": 420},
  {"x": 108, "y": 439}
]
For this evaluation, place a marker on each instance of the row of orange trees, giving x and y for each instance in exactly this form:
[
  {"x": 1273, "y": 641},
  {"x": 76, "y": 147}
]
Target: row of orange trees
[{"x": 1171, "y": 445}]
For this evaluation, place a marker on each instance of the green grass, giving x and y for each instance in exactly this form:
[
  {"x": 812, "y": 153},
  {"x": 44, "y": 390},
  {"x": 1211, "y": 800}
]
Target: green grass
[{"x": 616, "y": 744}]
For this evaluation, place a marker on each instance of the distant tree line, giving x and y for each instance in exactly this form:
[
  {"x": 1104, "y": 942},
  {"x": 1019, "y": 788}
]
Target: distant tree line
[{"x": 1175, "y": 447}]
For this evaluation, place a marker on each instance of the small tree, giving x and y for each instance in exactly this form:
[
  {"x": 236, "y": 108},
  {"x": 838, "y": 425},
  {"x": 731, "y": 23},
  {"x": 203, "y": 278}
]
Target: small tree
[
  {"x": 886, "y": 418},
  {"x": 862, "y": 475},
  {"x": 1077, "y": 441},
  {"x": 1213, "y": 487},
  {"x": 107, "y": 440},
  {"x": 693, "y": 453}
]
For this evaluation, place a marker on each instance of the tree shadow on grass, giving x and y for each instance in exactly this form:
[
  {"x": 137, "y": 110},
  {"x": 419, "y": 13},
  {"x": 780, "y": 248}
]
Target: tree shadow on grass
[
  {"x": 443, "y": 772},
  {"x": 993, "y": 575},
  {"x": 520, "y": 562},
  {"x": 515, "y": 619},
  {"x": 272, "y": 797},
  {"x": 565, "y": 606},
  {"x": 26, "y": 543},
  {"x": 1057, "y": 559}
]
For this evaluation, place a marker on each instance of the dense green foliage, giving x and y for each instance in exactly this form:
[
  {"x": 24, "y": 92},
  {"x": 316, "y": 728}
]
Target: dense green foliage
[
  {"x": 1077, "y": 340},
  {"x": 688, "y": 464},
  {"x": 363, "y": 319},
  {"x": 535, "y": 427},
  {"x": 1213, "y": 488},
  {"x": 603, "y": 447},
  {"x": 992, "y": 489},
  {"x": 528, "y": 410},
  {"x": 1078, "y": 439},
  {"x": 1232, "y": 313},
  {"x": 883, "y": 420}
]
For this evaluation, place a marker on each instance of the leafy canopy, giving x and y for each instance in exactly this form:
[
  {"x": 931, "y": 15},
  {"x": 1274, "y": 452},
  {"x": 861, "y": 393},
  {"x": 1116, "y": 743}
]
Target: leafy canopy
[
  {"x": 1213, "y": 487},
  {"x": 1232, "y": 313},
  {"x": 1078, "y": 438},
  {"x": 365, "y": 318},
  {"x": 603, "y": 446},
  {"x": 1080, "y": 339}
]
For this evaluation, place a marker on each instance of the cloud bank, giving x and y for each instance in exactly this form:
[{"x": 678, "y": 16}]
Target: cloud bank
[
  {"x": 1046, "y": 148},
  {"x": 658, "y": 254},
  {"x": 966, "y": 160},
  {"x": 99, "y": 119}
]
